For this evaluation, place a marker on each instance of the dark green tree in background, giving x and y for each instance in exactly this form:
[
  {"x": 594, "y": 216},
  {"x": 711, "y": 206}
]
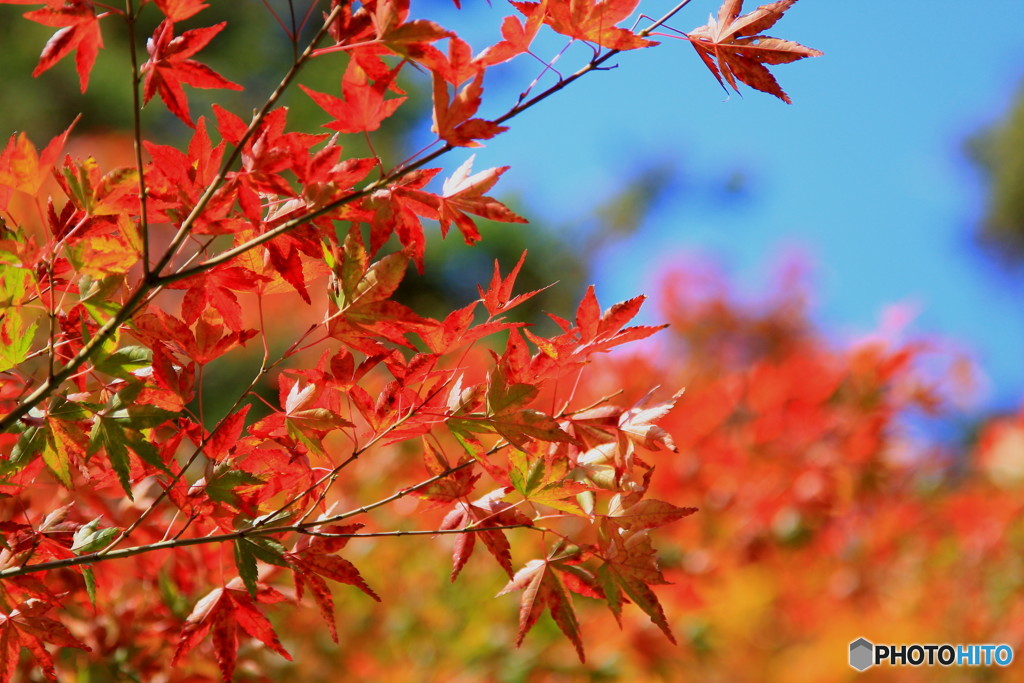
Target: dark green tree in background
[{"x": 999, "y": 153}]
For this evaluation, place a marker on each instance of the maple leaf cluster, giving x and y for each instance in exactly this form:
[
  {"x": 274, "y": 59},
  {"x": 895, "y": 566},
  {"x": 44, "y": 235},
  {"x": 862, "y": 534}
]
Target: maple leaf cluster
[{"x": 136, "y": 517}]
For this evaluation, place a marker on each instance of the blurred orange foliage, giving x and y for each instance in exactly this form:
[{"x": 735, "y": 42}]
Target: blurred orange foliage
[{"x": 826, "y": 514}]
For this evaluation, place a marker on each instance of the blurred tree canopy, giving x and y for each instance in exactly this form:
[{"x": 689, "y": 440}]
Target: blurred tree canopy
[
  {"x": 253, "y": 53},
  {"x": 999, "y": 153}
]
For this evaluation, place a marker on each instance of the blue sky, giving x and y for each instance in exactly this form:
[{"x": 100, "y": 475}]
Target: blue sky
[{"x": 865, "y": 173}]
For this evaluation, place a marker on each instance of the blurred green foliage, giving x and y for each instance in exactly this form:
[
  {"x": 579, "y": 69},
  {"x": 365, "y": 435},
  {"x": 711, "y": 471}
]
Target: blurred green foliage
[
  {"x": 254, "y": 52},
  {"x": 999, "y": 153}
]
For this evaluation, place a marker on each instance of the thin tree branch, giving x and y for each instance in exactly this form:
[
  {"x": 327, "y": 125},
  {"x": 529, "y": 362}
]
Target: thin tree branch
[
  {"x": 430, "y": 532},
  {"x": 93, "y": 558},
  {"x": 253, "y": 530},
  {"x": 130, "y": 19}
]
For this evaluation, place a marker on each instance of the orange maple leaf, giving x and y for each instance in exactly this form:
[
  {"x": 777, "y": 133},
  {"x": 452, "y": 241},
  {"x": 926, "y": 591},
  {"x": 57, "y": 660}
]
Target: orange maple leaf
[
  {"x": 587, "y": 20},
  {"x": 23, "y": 167},
  {"x": 453, "y": 120},
  {"x": 731, "y": 48}
]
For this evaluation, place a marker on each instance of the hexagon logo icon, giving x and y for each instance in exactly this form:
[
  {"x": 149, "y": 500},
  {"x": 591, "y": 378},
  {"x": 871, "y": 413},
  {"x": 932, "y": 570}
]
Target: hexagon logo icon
[{"x": 861, "y": 654}]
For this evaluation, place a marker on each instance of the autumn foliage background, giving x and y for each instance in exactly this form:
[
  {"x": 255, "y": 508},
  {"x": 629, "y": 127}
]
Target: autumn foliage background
[{"x": 734, "y": 497}]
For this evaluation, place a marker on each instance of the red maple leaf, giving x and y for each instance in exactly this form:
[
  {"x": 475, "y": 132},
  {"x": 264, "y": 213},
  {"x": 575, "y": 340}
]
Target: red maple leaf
[
  {"x": 731, "y": 49},
  {"x": 314, "y": 560},
  {"x": 630, "y": 569},
  {"x": 507, "y": 414},
  {"x": 639, "y": 424},
  {"x": 362, "y": 309},
  {"x": 99, "y": 196},
  {"x": 363, "y": 107},
  {"x": 457, "y": 67},
  {"x": 487, "y": 511},
  {"x": 226, "y": 611},
  {"x": 216, "y": 289},
  {"x": 79, "y": 30},
  {"x": 637, "y": 515},
  {"x": 452, "y": 485},
  {"x": 268, "y": 153},
  {"x": 179, "y": 10},
  {"x": 395, "y": 211},
  {"x": 53, "y": 538},
  {"x": 26, "y": 627},
  {"x": 457, "y": 330},
  {"x": 464, "y": 193},
  {"x": 546, "y": 584},
  {"x": 176, "y": 180},
  {"x": 595, "y": 332},
  {"x": 169, "y": 66},
  {"x": 207, "y": 342},
  {"x": 325, "y": 176},
  {"x": 498, "y": 297},
  {"x": 310, "y": 412}
]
